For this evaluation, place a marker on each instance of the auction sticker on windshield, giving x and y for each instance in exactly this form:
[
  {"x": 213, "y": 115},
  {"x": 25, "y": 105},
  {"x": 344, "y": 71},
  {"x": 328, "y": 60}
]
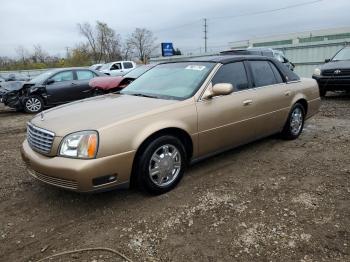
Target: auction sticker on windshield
[{"x": 195, "y": 67}]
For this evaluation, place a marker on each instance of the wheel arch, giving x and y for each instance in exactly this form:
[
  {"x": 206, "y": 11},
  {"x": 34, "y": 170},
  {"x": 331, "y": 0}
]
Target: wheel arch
[
  {"x": 177, "y": 132},
  {"x": 302, "y": 100}
]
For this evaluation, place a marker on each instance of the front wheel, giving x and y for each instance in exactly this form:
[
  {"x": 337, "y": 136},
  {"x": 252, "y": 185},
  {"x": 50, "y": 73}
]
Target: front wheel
[
  {"x": 161, "y": 165},
  {"x": 295, "y": 123},
  {"x": 33, "y": 104}
]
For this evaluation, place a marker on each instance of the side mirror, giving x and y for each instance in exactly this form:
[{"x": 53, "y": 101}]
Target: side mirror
[
  {"x": 220, "y": 89},
  {"x": 327, "y": 60},
  {"x": 50, "y": 81}
]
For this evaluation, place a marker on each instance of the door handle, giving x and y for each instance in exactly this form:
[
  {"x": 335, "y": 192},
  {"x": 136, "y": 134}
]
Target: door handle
[
  {"x": 74, "y": 84},
  {"x": 247, "y": 102},
  {"x": 287, "y": 93}
]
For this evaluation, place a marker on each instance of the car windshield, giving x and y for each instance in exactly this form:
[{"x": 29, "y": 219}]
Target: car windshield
[
  {"x": 343, "y": 54},
  {"x": 170, "y": 81},
  {"x": 42, "y": 77},
  {"x": 138, "y": 71}
]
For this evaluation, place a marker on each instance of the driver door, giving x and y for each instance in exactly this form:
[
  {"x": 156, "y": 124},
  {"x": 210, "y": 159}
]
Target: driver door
[{"x": 60, "y": 90}]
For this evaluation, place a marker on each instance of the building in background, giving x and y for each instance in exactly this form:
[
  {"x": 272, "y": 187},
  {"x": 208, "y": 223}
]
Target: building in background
[{"x": 306, "y": 49}]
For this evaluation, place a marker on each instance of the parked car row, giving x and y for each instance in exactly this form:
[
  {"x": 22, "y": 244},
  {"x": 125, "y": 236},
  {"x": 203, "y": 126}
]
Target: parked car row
[{"x": 171, "y": 115}]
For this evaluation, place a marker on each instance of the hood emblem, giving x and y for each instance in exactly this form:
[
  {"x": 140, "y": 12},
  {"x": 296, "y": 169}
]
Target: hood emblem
[
  {"x": 42, "y": 116},
  {"x": 337, "y": 72}
]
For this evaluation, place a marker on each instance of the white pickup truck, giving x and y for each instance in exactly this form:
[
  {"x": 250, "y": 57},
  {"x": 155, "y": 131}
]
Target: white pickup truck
[{"x": 118, "y": 68}]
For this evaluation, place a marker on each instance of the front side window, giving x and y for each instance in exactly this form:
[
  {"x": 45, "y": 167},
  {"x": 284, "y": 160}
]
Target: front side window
[
  {"x": 233, "y": 73},
  {"x": 262, "y": 73},
  {"x": 116, "y": 66},
  {"x": 171, "y": 80},
  {"x": 127, "y": 65},
  {"x": 85, "y": 75},
  {"x": 63, "y": 76}
]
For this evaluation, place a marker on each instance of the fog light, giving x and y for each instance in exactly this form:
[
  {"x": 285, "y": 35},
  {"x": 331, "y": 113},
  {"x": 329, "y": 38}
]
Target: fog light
[{"x": 104, "y": 180}]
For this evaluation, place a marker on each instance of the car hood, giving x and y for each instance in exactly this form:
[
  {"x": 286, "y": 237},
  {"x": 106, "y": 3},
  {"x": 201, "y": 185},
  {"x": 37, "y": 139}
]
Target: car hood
[
  {"x": 11, "y": 86},
  {"x": 96, "y": 113},
  {"x": 336, "y": 65}
]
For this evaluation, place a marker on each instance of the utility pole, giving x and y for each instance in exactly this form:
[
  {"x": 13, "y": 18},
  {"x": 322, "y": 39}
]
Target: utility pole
[{"x": 205, "y": 35}]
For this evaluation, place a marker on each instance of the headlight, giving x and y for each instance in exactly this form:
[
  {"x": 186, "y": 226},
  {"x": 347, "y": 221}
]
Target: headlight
[
  {"x": 317, "y": 72},
  {"x": 82, "y": 144}
]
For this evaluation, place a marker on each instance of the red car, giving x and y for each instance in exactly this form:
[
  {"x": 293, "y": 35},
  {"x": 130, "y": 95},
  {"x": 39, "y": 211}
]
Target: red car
[{"x": 108, "y": 84}]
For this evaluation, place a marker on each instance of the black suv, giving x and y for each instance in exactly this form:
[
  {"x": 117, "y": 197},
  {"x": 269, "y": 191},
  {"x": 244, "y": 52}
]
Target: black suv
[{"x": 334, "y": 75}]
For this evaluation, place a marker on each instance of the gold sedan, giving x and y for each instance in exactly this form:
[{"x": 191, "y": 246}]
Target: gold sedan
[{"x": 174, "y": 114}]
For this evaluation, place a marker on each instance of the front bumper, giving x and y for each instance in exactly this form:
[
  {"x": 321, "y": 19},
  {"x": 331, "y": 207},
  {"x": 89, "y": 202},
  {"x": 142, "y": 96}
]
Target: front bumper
[
  {"x": 333, "y": 82},
  {"x": 78, "y": 174}
]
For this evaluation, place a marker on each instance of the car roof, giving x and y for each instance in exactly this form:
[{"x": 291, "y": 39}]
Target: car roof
[{"x": 223, "y": 59}]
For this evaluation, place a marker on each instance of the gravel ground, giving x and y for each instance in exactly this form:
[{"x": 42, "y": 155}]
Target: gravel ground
[{"x": 271, "y": 200}]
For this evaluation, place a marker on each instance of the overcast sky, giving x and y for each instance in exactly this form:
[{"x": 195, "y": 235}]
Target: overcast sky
[{"x": 53, "y": 23}]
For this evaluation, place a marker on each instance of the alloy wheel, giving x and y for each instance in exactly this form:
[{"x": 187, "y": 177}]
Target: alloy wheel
[
  {"x": 33, "y": 104},
  {"x": 165, "y": 165},
  {"x": 296, "y": 121}
]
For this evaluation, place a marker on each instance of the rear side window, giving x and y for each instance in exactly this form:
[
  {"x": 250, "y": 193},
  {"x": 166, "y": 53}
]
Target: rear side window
[
  {"x": 262, "y": 73},
  {"x": 127, "y": 65},
  {"x": 278, "y": 76},
  {"x": 63, "y": 76},
  {"x": 233, "y": 73},
  {"x": 85, "y": 75}
]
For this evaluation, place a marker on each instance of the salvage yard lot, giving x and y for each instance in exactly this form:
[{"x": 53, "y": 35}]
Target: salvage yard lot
[{"x": 271, "y": 200}]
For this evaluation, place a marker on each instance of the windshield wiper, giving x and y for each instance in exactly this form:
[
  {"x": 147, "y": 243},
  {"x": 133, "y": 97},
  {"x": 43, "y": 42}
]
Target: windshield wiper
[{"x": 143, "y": 95}]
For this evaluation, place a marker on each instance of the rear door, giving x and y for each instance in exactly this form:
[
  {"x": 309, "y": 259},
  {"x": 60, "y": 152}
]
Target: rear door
[
  {"x": 227, "y": 121},
  {"x": 82, "y": 88},
  {"x": 273, "y": 97},
  {"x": 127, "y": 67},
  {"x": 60, "y": 91}
]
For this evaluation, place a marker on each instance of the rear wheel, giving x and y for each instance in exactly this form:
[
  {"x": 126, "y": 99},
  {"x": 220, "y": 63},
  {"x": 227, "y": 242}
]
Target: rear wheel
[
  {"x": 161, "y": 165},
  {"x": 33, "y": 104},
  {"x": 295, "y": 123}
]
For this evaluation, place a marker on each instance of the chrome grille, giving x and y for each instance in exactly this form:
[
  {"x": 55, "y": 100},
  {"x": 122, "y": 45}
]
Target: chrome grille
[{"x": 39, "y": 139}]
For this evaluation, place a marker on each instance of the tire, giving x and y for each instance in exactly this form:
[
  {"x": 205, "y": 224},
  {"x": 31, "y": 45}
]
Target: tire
[
  {"x": 166, "y": 158},
  {"x": 33, "y": 104},
  {"x": 323, "y": 92},
  {"x": 295, "y": 122}
]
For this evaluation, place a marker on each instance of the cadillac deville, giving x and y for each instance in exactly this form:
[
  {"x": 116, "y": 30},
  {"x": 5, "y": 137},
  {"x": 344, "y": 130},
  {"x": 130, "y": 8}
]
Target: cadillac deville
[{"x": 174, "y": 114}]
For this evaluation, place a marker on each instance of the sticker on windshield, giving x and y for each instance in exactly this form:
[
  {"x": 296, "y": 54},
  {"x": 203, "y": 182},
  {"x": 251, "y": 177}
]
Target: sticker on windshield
[{"x": 195, "y": 67}]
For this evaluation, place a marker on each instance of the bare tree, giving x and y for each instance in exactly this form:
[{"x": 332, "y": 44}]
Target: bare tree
[
  {"x": 23, "y": 54},
  {"x": 103, "y": 41},
  {"x": 39, "y": 55},
  {"x": 127, "y": 51},
  {"x": 143, "y": 42},
  {"x": 88, "y": 32}
]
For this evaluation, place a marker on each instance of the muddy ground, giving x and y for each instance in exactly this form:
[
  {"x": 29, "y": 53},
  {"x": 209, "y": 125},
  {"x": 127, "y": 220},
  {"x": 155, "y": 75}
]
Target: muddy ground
[{"x": 271, "y": 200}]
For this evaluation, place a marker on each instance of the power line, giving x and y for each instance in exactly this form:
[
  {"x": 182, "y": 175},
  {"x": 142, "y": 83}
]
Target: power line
[
  {"x": 267, "y": 10},
  {"x": 240, "y": 15}
]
